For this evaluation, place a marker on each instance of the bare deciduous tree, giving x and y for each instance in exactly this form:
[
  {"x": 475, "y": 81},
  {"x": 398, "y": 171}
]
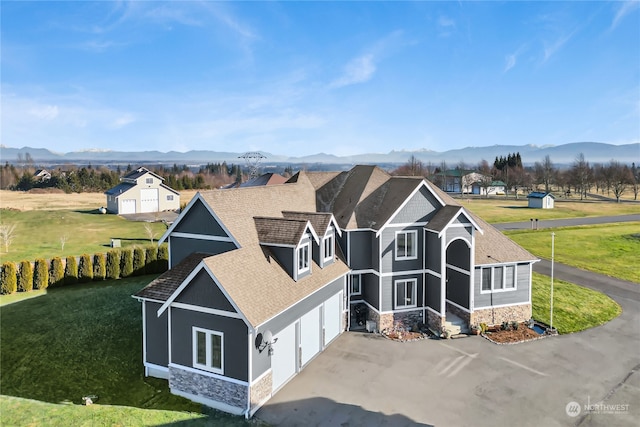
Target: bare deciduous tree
[
  {"x": 150, "y": 232},
  {"x": 7, "y": 234},
  {"x": 545, "y": 173},
  {"x": 63, "y": 241}
]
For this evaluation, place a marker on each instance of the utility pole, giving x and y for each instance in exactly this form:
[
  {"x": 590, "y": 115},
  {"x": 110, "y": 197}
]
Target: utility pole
[{"x": 553, "y": 238}]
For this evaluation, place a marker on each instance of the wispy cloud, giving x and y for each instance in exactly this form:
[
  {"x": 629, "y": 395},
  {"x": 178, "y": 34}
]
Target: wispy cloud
[
  {"x": 550, "y": 49},
  {"x": 44, "y": 112},
  {"x": 358, "y": 70},
  {"x": 446, "y": 26},
  {"x": 362, "y": 68},
  {"x": 511, "y": 59},
  {"x": 624, "y": 9}
]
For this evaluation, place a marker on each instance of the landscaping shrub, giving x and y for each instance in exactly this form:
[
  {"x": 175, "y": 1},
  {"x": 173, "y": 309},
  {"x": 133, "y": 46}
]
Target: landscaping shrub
[
  {"x": 126, "y": 263},
  {"x": 25, "y": 277},
  {"x": 56, "y": 272},
  {"x": 8, "y": 278},
  {"x": 138, "y": 261},
  {"x": 163, "y": 259},
  {"x": 99, "y": 267},
  {"x": 85, "y": 269},
  {"x": 151, "y": 258},
  {"x": 113, "y": 265},
  {"x": 71, "y": 271},
  {"x": 40, "y": 274}
]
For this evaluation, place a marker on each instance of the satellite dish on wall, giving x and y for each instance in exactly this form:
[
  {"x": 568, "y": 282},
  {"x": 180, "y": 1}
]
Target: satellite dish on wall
[{"x": 264, "y": 340}]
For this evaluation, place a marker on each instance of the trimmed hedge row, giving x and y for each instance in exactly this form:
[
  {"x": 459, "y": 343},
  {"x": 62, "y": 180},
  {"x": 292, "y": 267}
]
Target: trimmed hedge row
[{"x": 115, "y": 264}]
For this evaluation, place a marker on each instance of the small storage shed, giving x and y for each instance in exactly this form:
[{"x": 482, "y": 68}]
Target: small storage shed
[{"x": 540, "y": 200}]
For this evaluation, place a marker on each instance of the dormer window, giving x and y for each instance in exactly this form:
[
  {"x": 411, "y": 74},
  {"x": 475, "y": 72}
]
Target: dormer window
[
  {"x": 304, "y": 254},
  {"x": 328, "y": 246}
]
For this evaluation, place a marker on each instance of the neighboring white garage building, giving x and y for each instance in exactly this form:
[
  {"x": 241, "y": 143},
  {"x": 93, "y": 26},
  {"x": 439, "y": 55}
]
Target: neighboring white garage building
[{"x": 141, "y": 191}]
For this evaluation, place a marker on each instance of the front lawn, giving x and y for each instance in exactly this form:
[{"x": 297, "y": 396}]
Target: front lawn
[
  {"x": 82, "y": 340},
  {"x": 575, "y": 308},
  {"x": 496, "y": 209},
  {"x": 610, "y": 249},
  {"x": 39, "y": 233}
]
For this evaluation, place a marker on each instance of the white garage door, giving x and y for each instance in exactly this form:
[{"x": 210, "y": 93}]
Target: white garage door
[
  {"x": 128, "y": 206},
  {"x": 149, "y": 200},
  {"x": 332, "y": 317},
  {"x": 310, "y": 335},
  {"x": 283, "y": 361}
]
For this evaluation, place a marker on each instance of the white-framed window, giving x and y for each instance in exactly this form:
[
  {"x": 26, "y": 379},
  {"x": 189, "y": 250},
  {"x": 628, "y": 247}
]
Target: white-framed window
[
  {"x": 498, "y": 278},
  {"x": 328, "y": 246},
  {"x": 405, "y": 293},
  {"x": 356, "y": 284},
  {"x": 208, "y": 350},
  {"x": 406, "y": 245},
  {"x": 303, "y": 258},
  {"x": 170, "y": 197},
  {"x": 149, "y": 180},
  {"x": 510, "y": 277}
]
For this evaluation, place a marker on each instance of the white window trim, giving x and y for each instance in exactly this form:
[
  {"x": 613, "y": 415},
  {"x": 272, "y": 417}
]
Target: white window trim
[
  {"x": 328, "y": 238},
  {"x": 414, "y": 296},
  {"x": 298, "y": 252},
  {"x": 504, "y": 279},
  {"x": 359, "y": 276},
  {"x": 207, "y": 366},
  {"x": 406, "y": 258}
]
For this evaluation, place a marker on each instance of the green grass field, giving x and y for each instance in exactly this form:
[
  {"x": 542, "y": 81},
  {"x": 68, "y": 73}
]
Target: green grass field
[
  {"x": 610, "y": 249},
  {"x": 83, "y": 340},
  {"x": 497, "y": 210},
  {"x": 38, "y": 233},
  {"x": 575, "y": 308}
]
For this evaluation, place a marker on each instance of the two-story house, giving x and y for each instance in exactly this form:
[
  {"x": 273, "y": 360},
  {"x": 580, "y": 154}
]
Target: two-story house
[{"x": 262, "y": 279}]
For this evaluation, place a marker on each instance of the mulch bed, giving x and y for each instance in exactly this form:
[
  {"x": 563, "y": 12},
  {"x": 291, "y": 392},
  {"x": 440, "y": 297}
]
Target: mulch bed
[{"x": 522, "y": 334}]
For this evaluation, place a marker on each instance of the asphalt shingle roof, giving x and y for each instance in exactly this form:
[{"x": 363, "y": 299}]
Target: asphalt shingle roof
[
  {"x": 163, "y": 286},
  {"x": 280, "y": 231}
]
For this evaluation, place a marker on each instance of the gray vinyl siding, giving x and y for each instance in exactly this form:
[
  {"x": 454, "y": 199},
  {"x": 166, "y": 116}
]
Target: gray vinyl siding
[
  {"x": 198, "y": 220},
  {"x": 387, "y": 284},
  {"x": 284, "y": 257},
  {"x": 432, "y": 297},
  {"x": 203, "y": 291},
  {"x": 420, "y": 208},
  {"x": 370, "y": 289},
  {"x": 389, "y": 264},
  {"x": 156, "y": 334},
  {"x": 235, "y": 342},
  {"x": 434, "y": 257},
  {"x": 362, "y": 245},
  {"x": 342, "y": 242},
  {"x": 181, "y": 247},
  {"x": 458, "y": 287},
  {"x": 459, "y": 255},
  {"x": 457, "y": 232},
  {"x": 518, "y": 296},
  {"x": 261, "y": 360}
]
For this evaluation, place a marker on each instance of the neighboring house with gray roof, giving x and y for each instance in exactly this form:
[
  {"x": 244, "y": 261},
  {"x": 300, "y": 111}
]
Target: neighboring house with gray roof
[
  {"x": 262, "y": 279},
  {"x": 141, "y": 191}
]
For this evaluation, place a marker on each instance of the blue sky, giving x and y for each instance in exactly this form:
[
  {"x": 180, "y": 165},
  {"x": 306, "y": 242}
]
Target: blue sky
[{"x": 301, "y": 78}]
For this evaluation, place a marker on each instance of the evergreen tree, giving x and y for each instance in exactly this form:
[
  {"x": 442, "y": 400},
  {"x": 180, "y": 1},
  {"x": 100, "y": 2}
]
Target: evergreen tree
[
  {"x": 40, "y": 274},
  {"x": 25, "y": 277}
]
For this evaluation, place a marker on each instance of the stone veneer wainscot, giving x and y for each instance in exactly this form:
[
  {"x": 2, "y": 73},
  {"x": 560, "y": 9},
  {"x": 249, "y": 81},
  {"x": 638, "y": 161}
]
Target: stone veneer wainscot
[{"x": 208, "y": 387}]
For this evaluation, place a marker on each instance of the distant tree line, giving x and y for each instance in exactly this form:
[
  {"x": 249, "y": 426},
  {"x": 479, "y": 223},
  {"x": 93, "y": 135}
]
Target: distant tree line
[
  {"x": 73, "y": 179},
  {"x": 612, "y": 179}
]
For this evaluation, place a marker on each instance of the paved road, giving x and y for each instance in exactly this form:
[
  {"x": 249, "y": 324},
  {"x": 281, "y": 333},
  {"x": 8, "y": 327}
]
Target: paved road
[
  {"x": 366, "y": 380},
  {"x": 551, "y": 223}
]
